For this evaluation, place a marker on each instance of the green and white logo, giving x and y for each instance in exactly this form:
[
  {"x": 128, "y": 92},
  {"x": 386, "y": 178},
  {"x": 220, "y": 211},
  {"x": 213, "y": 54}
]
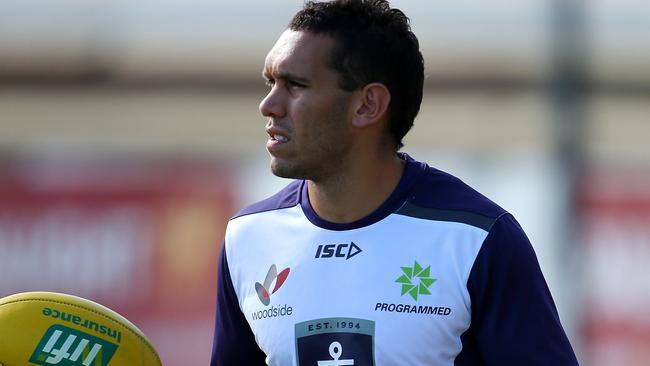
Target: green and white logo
[
  {"x": 416, "y": 280},
  {"x": 69, "y": 347}
]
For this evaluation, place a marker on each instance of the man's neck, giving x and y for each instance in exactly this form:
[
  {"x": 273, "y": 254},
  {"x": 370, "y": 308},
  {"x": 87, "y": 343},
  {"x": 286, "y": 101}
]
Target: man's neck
[{"x": 357, "y": 191}]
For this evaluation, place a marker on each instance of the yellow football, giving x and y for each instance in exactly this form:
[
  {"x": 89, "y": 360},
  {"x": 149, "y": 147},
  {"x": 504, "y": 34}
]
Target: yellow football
[{"x": 47, "y": 328}]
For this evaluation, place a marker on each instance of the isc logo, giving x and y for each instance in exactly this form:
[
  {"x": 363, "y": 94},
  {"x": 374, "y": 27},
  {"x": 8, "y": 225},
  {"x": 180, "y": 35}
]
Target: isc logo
[
  {"x": 346, "y": 251},
  {"x": 69, "y": 347}
]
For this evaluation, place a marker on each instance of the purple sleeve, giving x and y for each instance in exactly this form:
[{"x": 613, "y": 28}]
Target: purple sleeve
[
  {"x": 514, "y": 319},
  {"x": 234, "y": 342}
]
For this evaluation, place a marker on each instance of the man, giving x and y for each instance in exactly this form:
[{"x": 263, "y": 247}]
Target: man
[{"x": 369, "y": 257}]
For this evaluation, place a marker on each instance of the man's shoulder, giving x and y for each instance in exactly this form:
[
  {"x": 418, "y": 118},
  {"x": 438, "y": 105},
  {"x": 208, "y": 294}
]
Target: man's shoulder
[
  {"x": 438, "y": 195},
  {"x": 289, "y": 196}
]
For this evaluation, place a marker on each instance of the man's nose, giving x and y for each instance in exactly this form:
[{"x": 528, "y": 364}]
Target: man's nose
[{"x": 273, "y": 104}]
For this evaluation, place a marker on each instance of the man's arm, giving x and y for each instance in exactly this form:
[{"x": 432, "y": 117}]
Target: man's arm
[
  {"x": 514, "y": 319},
  {"x": 234, "y": 342}
]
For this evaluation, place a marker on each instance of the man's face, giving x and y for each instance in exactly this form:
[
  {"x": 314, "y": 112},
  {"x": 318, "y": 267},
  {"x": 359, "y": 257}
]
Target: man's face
[{"x": 308, "y": 114}]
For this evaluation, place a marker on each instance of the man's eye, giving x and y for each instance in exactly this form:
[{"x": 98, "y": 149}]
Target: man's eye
[
  {"x": 294, "y": 85},
  {"x": 269, "y": 82}
]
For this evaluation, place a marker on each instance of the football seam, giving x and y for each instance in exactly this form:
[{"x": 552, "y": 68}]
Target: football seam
[{"x": 92, "y": 311}]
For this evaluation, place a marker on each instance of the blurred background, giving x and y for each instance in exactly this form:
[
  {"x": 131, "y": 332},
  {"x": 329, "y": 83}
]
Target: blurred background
[{"x": 129, "y": 134}]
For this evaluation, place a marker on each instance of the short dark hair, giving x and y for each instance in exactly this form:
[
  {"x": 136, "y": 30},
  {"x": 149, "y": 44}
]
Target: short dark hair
[{"x": 373, "y": 43}]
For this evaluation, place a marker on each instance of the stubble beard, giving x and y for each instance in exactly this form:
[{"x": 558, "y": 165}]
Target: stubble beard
[
  {"x": 317, "y": 165},
  {"x": 317, "y": 169},
  {"x": 324, "y": 161},
  {"x": 286, "y": 170}
]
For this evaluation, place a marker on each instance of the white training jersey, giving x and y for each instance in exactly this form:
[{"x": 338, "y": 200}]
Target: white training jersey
[{"x": 438, "y": 275}]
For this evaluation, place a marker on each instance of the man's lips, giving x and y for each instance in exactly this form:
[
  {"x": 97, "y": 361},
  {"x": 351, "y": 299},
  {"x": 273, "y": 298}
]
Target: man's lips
[
  {"x": 277, "y": 134},
  {"x": 277, "y": 138}
]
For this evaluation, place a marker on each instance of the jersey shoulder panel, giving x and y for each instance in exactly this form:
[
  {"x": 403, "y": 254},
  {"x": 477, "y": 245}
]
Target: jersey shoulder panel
[
  {"x": 289, "y": 196},
  {"x": 514, "y": 318},
  {"x": 442, "y": 197}
]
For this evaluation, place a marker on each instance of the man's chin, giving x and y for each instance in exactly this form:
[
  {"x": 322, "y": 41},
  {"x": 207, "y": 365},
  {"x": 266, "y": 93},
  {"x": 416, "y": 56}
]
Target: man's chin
[{"x": 284, "y": 170}]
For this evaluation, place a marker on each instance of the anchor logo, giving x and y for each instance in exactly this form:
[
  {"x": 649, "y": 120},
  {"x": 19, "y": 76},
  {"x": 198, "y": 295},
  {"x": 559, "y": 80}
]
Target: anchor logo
[
  {"x": 313, "y": 339},
  {"x": 336, "y": 350}
]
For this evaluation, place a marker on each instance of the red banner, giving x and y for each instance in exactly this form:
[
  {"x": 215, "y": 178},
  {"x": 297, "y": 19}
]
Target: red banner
[
  {"x": 615, "y": 227},
  {"x": 141, "y": 237}
]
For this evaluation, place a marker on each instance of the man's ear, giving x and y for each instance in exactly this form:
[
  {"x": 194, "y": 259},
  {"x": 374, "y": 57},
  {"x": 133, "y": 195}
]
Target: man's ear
[{"x": 372, "y": 104}]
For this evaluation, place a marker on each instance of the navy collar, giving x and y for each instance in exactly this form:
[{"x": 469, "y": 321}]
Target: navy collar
[{"x": 396, "y": 199}]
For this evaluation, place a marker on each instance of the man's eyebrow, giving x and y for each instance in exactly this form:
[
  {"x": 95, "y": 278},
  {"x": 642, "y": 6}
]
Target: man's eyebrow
[{"x": 287, "y": 76}]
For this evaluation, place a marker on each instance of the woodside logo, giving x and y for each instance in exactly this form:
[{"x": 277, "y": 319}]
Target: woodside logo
[
  {"x": 69, "y": 347},
  {"x": 264, "y": 294},
  {"x": 263, "y": 289}
]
